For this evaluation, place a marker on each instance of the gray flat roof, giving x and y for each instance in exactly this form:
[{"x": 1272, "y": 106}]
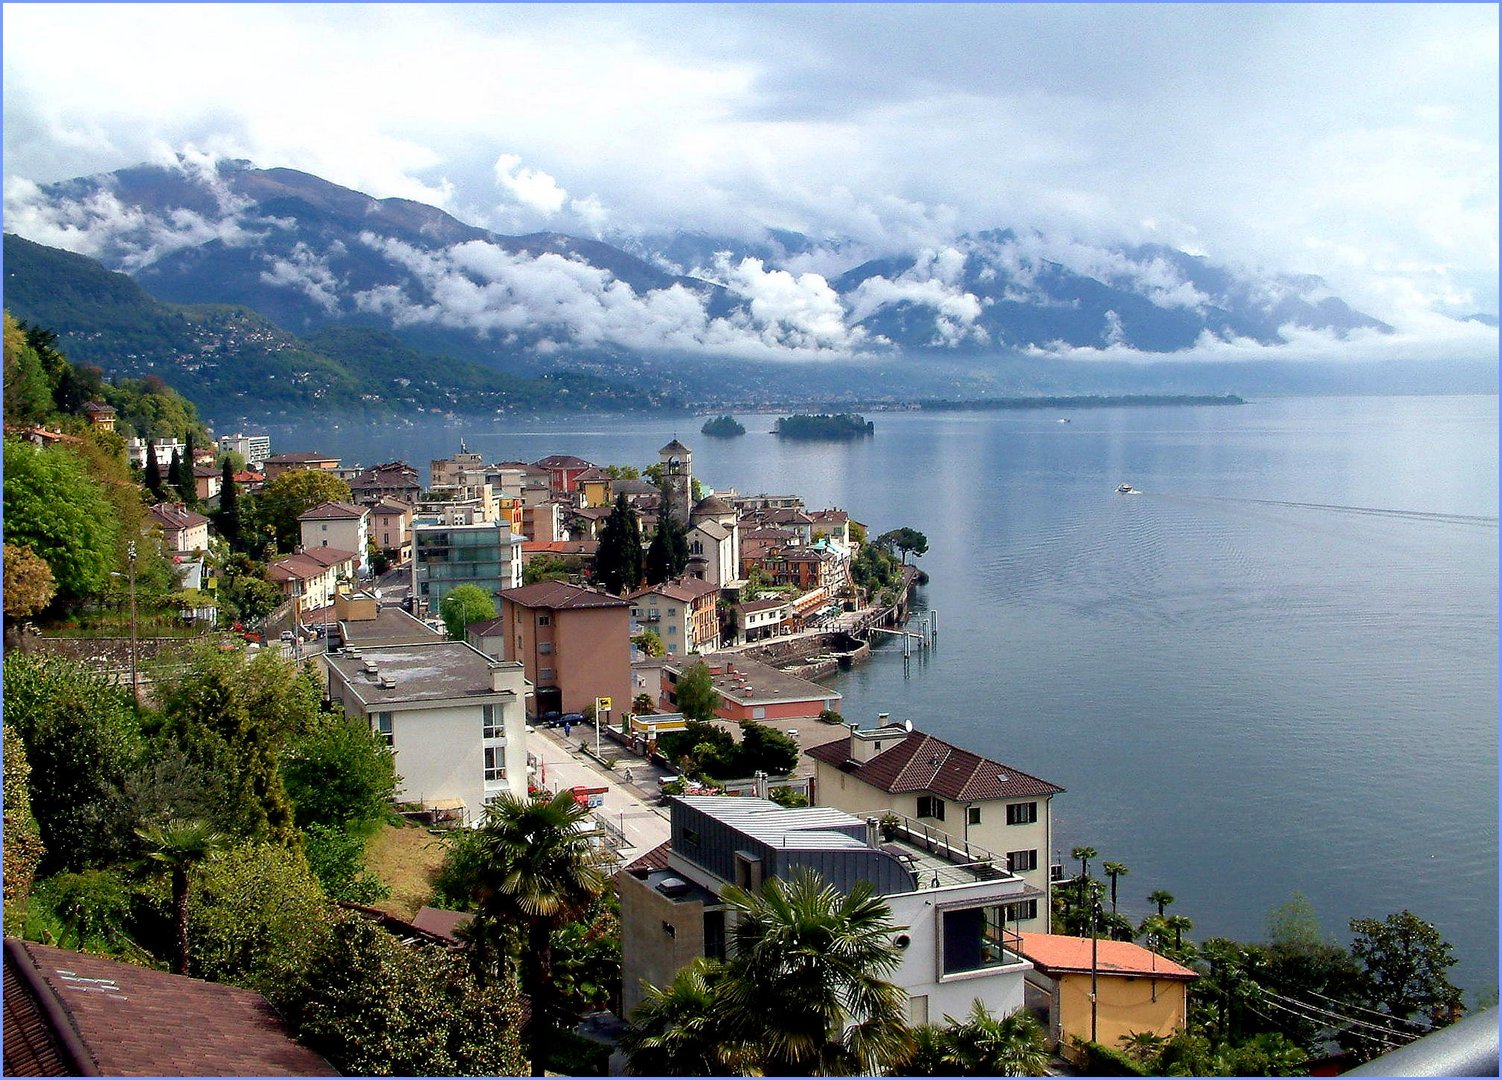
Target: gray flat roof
[
  {"x": 391, "y": 626},
  {"x": 763, "y": 684},
  {"x": 433, "y": 672}
]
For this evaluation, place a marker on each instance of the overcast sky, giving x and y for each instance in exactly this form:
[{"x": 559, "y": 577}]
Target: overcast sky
[{"x": 1355, "y": 142}]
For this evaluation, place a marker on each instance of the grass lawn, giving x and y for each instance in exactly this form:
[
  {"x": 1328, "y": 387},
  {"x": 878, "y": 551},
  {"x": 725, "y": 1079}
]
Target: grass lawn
[{"x": 405, "y": 857}]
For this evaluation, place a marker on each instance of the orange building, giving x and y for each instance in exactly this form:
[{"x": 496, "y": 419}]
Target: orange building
[
  {"x": 574, "y": 644},
  {"x": 1137, "y": 990}
]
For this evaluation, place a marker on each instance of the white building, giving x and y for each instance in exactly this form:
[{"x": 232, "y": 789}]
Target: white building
[
  {"x": 338, "y": 525},
  {"x": 455, "y": 718},
  {"x": 947, "y": 902},
  {"x": 311, "y": 578},
  {"x": 255, "y": 449},
  {"x": 183, "y": 530},
  {"x": 135, "y": 452}
]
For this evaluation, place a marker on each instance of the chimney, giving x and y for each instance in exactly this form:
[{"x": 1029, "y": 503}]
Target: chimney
[
  {"x": 873, "y": 833},
  {"x": 762, "y": 791},
  {"x": 498, "y": 677}
]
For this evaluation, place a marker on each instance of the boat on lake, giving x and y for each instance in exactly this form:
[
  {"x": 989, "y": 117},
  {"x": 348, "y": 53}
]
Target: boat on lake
[{"x": 1126, "y": 489}]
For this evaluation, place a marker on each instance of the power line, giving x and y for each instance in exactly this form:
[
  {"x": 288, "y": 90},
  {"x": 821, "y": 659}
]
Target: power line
[
  {"x": 1360, "y": 1008},
  {"x": 1349, "y": 1021},
  {"x": 1385, "y": 1038}
]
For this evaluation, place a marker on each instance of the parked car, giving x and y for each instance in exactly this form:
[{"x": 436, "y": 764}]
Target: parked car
[
  {"x": 571, "y": 718},
  {"x": 550, "y": 718},
  {"x": 288, "y": 635}
]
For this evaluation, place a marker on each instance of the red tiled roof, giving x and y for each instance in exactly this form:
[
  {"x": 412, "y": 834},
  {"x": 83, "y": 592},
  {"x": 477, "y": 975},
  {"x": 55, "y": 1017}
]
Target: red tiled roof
[
  {"x": 923, "y": 763},
  {"x": 298, "y": 458},
  {"x": 560, "y": 547},
  {"x": 560, "y": 594},
  {"x": 563, "y": 461},
  {"x": 762, "y": 605},
  {"x": 1059, "y": 953},
  {"x": 656, "y": 859},
  {"x": 248, "y": 477},
  {"x": 70, "y": 1013},
  {"x": 177, "y": 516},
  {"x": 686, "y": 590}
]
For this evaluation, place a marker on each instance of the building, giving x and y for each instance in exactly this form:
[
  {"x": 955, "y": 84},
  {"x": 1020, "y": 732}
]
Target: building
[
  {"x": 447, "y": 556},
  {"x": 593, "y": 488},
  {"x": 100, "y": 415},
  {"x": 574, "y": 643},
  {"x": 183, "y": 530},
  {"x": 135, "y": 452},
  {"x": 760, "y": 619},
  {"x": 682, "y": 612},
  {"x": 71, "y": 1013},
  {"x": 276, "y": 464},
  {"x": 391, "y": 529},
  {"x": 206, "y": 482},
  {"x": 253, "y": 449},
  {"x": 714, "y": 542},
  {"x": 393, "y": 480},
  {"x": 751, "y": 690},
  {"x": 563, "y": 470},
  {"x": 338, "y": 525},
  {"x": 363, "y": 622},
  {"x": 1136, "y": 990},
  {"x": 947, "y": 904},
  {"x": 465, "y": 467},
  {"x": 677, "y": 463},
  {"x": 311, "y": 577},
  {"x": 893, "y": 769},
  {"x": 454, "y": 717}
]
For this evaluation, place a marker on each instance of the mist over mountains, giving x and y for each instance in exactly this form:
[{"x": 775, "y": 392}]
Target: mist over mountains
[{"x": 682, "y": 315}]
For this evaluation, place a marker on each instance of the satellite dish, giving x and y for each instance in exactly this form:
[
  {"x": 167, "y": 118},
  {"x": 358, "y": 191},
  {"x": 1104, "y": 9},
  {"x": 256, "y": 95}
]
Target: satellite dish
[{"x": 907, "y": 725}]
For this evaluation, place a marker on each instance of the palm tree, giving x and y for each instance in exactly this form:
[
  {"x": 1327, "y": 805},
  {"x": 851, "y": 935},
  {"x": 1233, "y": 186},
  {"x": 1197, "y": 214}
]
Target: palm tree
[
  {"x": 983, "y": 1045},
  {"x": 1145, "y": 1046},
  {"x": 177, "y": 847},
  {"x": 537, "y": 872},
  {"x": 1178, "y": 924},
  {"x": 806, "y": 980},
  {"x": 1084, "y": 855},
  {"x": 930, "y": 1054},
  {"x": 1161, "y": 897},
  {"x": 678, "y": 1030},
  {"x": 1114, "y": 870}
]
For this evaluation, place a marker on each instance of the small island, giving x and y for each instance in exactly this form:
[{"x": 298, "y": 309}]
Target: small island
[
  {"x": 824, "y": 426},
  {"x": 723, "y": 427}
]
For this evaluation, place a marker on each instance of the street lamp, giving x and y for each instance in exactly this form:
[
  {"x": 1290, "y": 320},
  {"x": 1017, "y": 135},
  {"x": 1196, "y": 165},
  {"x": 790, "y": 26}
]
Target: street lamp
[{"x": 135, "y": 685}]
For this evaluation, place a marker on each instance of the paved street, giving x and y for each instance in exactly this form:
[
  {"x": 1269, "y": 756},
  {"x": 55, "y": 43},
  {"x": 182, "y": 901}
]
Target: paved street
[{"x": 632, "y": 807}]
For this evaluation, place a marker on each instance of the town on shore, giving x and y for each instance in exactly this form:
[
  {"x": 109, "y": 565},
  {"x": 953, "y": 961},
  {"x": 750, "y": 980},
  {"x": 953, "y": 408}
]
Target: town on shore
[{"x": 319, "y": 769}]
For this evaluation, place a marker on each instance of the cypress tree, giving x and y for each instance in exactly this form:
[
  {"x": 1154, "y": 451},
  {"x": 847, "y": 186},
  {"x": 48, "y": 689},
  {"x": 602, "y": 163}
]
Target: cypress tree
[
  {"x": 618, "y": 563},
  {"x": 636, "y": 556},
  {"x": 186, "y": 485},
  {"x": 659, "y": 560},
  {"x": 228, "y": 518},
  {"x": 175, "y": 474},
  {"x": 153, "y": 470}
]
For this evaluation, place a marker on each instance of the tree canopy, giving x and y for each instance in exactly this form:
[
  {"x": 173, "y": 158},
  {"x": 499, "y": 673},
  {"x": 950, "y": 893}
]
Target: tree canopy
[
  {"x": 619, "y": 559},
  {"x": 54, "y": 507},
  {"x": 463, "y": 605},
  {"x": 293, "y": 493},
  {"x": 697, "y": 697}
]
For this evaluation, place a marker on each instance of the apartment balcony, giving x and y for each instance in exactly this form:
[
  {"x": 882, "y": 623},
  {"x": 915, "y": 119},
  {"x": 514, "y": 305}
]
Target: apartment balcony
[{"x": 937, "y": 859}]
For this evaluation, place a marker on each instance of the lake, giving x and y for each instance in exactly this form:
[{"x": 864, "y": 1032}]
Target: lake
[{"x": 1273, "y": 670}]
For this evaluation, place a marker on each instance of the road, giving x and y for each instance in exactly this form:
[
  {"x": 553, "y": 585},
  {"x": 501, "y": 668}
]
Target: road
[{"x": 632, "y": 807}]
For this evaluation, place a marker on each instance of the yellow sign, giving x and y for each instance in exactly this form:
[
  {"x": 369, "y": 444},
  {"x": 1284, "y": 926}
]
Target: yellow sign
[{"x": 602, "y": 704}]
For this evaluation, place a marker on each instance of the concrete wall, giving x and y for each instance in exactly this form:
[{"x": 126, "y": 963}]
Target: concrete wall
[
  {"x": 648, "y": 952},
  {"x": 1125, "y": 1005},
  {"x": 348, "y": 535},
  {"x": 999, "y": 989}
]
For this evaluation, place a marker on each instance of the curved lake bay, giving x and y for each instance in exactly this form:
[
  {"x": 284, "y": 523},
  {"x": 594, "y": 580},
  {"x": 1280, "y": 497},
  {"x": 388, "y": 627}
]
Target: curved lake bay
[{"x": 1273, "y": 670}]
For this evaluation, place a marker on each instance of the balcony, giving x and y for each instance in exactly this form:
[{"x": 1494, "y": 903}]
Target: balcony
[{"x": 938, "y": 860}]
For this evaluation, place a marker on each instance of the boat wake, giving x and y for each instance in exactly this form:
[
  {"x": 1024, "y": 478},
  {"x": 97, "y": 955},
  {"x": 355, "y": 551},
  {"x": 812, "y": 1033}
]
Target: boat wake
[{"x": 1375, "y": 511}]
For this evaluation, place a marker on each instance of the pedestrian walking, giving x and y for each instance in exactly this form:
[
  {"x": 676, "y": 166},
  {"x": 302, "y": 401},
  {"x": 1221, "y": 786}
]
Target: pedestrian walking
[{"x": 628, "y": 776}]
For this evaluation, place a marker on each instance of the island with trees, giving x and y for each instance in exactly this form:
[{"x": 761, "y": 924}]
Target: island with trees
[
  {"x": 723, "y": 427},
  {"x": 824, "y": 426}
]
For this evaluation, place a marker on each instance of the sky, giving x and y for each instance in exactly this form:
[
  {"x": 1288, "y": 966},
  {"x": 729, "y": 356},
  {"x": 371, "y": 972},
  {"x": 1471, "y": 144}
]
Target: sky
[{"x": 1356, "y": 142}]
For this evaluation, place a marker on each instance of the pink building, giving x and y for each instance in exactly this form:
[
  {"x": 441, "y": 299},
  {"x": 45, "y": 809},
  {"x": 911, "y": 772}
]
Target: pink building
[{"x": 574, "y": 644}]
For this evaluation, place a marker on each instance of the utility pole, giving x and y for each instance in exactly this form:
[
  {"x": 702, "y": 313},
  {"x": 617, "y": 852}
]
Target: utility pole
[
  {"x": 135, "y": 685},
  {"x": 1094, "y": 961}
]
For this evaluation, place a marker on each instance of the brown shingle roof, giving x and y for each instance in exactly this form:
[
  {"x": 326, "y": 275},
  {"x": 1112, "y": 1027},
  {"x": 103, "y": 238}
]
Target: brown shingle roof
[
  {"x": 69, "y": 1013},
  {"x": 177, "y": 516},
  {"x": 563, "y": 461},
  {"x": 685, "y": 589},
  {"x": 656, "y": 859},
  {"x": 333, "y": 511},
  {"x": 1052, "y": 953},
  {"x": 923, "y": 763},
  {"x": 299, "y": 458},
  {"x": 560, "y": 594}
]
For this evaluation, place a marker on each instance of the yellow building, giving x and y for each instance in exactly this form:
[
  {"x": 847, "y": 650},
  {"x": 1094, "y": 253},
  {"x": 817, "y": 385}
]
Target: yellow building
[{"x": 1137, "y": 990}]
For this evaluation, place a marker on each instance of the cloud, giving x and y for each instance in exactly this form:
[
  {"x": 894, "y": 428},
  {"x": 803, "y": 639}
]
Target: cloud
[
  {"x": 934, "y": 281},
  {"x": 308, "y": 272},
  {"x": 530, "y": 187}
]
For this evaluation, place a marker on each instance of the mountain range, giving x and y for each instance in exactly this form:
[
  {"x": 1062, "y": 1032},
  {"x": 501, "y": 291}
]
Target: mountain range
[{"x": 342, "y": 297}]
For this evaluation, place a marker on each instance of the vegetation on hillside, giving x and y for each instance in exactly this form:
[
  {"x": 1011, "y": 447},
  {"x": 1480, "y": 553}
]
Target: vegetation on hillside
[
  {"x": 723, "y": 427},
  {"x": 824, "y": 426}
]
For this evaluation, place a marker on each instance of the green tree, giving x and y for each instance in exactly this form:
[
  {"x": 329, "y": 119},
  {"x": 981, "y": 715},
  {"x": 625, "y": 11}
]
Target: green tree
[
  {"x": 697, "y": 697},
  {"x": 806, "y": 983},
  {"x": 55, "y": 508},
  {"x": 1161, "y": 897},
  {"x": 986, "y": 1045},
  {"x": 174, "y": 486},
  {"x": 907, "y": 541},
  {"x": 536, "y": 872},
  {"x": 178, "y": 847},
  {"x": 679, "y": 1030},
  {"x": 341, "y": 775},
  {"x": 546, "y": 568},
  {"x": 463, "y": 605},
  {"x": 227, "y": 517},
  {"x": 81, "y": 741},
  {"x": 1084, "y": 855},
  {"x": 667, "y": 556},
  {"x": 619, "y": 559},
  {"x": 234, "y": 716},
  {"x": 256, "y": 918},
  {"x": 337, "y": 859},
  {"x": 28, "y": 394},
  {"x": 650, "y": 643},
  {"x": 293, "y": 493},
  {"x": 90, "y": 910},
  {"x": 373, "y": 1006},
  {"x": 767, "y": 750},
  {"x": 187, "y": 486},
  {"x": 1403, "y": 964},
  {"x": 153, "y": 472},
  {"x": 1114, "y": 870},
  {"x": 22, "y": 850}
]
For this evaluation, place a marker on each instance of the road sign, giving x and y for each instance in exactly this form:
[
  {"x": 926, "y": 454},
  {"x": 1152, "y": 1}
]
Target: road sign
[{"x": 602, "y": 704}]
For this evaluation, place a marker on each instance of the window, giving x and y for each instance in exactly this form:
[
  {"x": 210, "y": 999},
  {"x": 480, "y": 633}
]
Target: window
[
  {"x": 1020, "y": 911},
  {"x": 1019, "y": 862},
  {"x": 714, "y": 935},
  {"x": 545, "y": 674},
  {"x": 1022, "y": 813},
  {"x": 494, "y": 725},
  {"x": 930, "y": 807},
  {"x": 974, "y": 940},
  {"x": 544, "y": 620},
  {"x": 545, "y": 648},
  {"x": 672, "y": 611},
  {"x": 495, "y": 764},
  {"x": 383, "y": 727},
  {"x": 672, "y": 629},
  {"x": 972, "y": 815}
]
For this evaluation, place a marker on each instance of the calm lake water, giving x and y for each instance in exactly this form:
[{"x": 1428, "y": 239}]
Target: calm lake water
[{"x": 1274, "y": 670}]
